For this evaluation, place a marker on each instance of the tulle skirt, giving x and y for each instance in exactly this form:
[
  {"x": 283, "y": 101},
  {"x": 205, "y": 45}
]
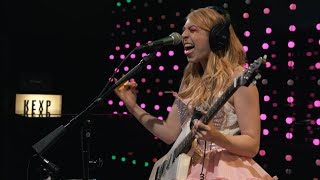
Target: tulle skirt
[{"x": 223, "y": 165}]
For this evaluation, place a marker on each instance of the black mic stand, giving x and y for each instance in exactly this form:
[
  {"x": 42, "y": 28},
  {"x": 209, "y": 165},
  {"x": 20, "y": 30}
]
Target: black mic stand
[
  {"x": 45, "y": 143},
  {"x": 85, "y": 148}
]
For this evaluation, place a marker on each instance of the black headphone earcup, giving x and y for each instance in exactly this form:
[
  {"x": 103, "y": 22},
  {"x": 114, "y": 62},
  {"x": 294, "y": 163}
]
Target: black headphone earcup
[
  {"x": 219, "y": 37},
  {"x": 219, "y": 34}
]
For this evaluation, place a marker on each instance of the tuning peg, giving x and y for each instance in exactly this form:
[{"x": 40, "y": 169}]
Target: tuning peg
[
  {"x": 258, "y": 76},
  {"x": 264, "y": 59}
]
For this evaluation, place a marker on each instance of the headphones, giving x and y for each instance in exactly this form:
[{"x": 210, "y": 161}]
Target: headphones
[{"x": 219, "y": 34}]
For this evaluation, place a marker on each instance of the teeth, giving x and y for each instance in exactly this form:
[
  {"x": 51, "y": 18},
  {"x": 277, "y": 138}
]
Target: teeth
[{"x": 188, "y": 47}]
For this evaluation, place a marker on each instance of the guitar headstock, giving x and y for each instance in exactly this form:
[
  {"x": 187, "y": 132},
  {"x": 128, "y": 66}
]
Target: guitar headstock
[{"x": 251, "y": 75}]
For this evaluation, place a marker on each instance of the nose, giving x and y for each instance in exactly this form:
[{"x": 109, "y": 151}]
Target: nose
[{"x": 184, "y": 34}]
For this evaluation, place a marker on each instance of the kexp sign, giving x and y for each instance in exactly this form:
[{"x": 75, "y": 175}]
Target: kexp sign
[{"x": 38, "y": 105}]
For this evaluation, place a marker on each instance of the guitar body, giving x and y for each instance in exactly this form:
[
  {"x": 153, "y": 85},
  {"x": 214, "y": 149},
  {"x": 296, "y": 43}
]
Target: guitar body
[{"x": 167, "y": 168}]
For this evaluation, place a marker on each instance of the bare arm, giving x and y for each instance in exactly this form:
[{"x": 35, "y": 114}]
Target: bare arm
[{"x": 167, "y": 130}]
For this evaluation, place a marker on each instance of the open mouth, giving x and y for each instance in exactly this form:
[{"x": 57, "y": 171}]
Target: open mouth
[{"x": 188, "y": 49}]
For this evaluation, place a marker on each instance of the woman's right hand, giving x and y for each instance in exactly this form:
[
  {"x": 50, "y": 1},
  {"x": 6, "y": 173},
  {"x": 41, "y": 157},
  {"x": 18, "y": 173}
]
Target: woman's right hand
[{"x": 128, "y": 94}]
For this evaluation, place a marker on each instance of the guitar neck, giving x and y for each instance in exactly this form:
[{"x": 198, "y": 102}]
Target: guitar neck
[{"x": 219, "y": 103}]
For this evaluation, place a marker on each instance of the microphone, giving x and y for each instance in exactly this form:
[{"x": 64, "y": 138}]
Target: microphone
[{"x": 173, "y": 39}]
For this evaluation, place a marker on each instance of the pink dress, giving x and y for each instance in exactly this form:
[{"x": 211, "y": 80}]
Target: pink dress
[{"x": 219, "y": 164}]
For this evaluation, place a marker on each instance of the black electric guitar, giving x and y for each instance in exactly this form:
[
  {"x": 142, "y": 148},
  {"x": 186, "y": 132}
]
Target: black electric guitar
[{"x": 175, "y": 164}]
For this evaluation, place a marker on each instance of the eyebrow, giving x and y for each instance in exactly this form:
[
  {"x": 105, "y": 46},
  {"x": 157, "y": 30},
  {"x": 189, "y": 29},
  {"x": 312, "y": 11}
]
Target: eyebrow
[{"x": 183, "y": 28}]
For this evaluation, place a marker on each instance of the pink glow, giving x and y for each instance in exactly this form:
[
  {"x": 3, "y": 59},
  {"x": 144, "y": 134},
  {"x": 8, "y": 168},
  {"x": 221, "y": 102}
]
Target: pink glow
[
  {"x": 265, "y": 46},
  {"x": 149, "y": 67},
  {"x": 266, "y": 98},
  {"x": 289, "y": 135},
  {"x": 169, "y": 108},
  {"x": 122, "y": 56},
  {"x": 265, "y": 132},
  {"x": 138, "y": 44},
  {"x": 126, "y": 68},
  {"x": 310, "y": 40},
  {"x": 266, "y": 11},
  {"x": 116, "y": 70},
  {"x": 128, "y": 23},
  {"x": 171, "y": 53},
  {"x": 142, "y": 105},
  {"x": 268, "y": 30},
  {"x": 143, "y": 80},
  {"x": 290, "y": 99},
  {"x": 158, "y": 54},
  {"x": 110, "y": 102},
  {"x": 127, "y": 46},
  {"x": 274, "y": 67},
  {"x": 263, "y": 116},
  {"x": 291, "y": 44},
  {"x": 318, "y": 26},
  {"x": 118, "y": 26},
  {"x": 111, "y": 57},
  {"x": 292, "y": 28},
  {"x": 317, "y": 103},
  {"x": 275, "y": 117},
  {"x": 121, "y": 103},
  {"x": 245, "y": 48},
  {"x": 317, "y": 65},
  {"x": 132, "y": 56},
  {"x": 161, "y": 68},
  {"x": 117, "y": 48},
  {"x": 262, "y": 152},
  {"x": 288, "y": 157},
  {"x": 246, "y": 33},
  {"x": 310, "y": 106},
  {"x": 290, "y": 64},
  {"x": 245, "y": 15},
  {"x": 318, "y": 122},
  {"x": 316, "y": 142},
  {"x": 160, "y": 93},
  {"x": 308, "y": 53},
  {"x": 289, "y": 120},
  {"x": 318, "y": 162},
  {"x": 156, "y": 107},
  {"x": 268, "y": 64},
  {"x": 293, "y": 7},
  {"x": 175, "y": 67}
]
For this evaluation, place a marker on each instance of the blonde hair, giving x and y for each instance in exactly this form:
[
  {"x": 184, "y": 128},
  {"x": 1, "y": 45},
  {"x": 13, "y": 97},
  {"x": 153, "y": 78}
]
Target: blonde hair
[{"x": 202, "y": 85}]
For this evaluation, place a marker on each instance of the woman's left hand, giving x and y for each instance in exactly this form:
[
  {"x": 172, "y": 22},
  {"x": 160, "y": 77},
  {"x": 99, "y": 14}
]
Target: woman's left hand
[{"x": 202, "y": 131}]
